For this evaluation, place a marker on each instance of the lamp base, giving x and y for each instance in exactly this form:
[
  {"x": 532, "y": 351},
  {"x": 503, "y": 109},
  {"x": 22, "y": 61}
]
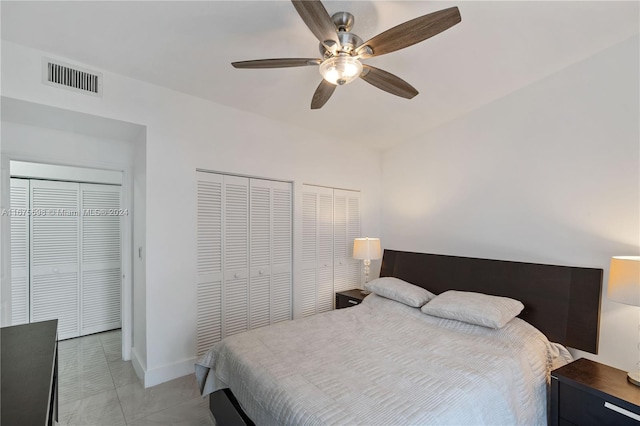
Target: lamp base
[{"x": 634, "y": 378}]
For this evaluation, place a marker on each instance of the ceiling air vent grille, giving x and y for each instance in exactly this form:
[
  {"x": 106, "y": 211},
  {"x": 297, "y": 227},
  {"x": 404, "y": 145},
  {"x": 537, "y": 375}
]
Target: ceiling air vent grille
[{"x": 59, "y": 74}]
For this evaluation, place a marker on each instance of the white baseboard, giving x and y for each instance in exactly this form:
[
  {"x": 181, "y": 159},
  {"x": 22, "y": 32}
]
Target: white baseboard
[
  {"x": 163, "y": 374},
  {"x": 138, "y": 365},
  {"x": 169, "y": 372}
]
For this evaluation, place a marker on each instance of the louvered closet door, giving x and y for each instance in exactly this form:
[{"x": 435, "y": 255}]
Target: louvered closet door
[
  {"x": 270, "y": 252},
  {"x": 340, "y": 243},
  {"x": 354, "y": 276},
  {"x": 317, "y": 276},
  {"x": 281, "y": 270},
  {"x": 19, "y": 251},
  {"x": 101, "y": 263},
  {"x": 244, "y": 255},
  {"x": 260, "y": 250},
  {"x": 308, "y": 274},
  {"x": 54, "y": 242},
  {"x": 326, "y": 293},
  {"x": 235, "y": 289},
  {"x": 209, "y": 240}
]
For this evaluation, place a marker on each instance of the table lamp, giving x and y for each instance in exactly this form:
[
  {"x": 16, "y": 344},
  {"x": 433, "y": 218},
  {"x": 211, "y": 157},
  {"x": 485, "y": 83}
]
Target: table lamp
[
  {"x": 624, "y": 287},
  {"x": 366, "y": 249}
]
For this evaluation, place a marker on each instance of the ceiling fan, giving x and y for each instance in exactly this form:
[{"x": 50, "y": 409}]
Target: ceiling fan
[{"x": 342, "y": 50}]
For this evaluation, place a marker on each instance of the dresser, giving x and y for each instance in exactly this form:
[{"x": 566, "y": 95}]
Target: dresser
[
  {"x": 587, "y": 393},
  {"x": 29, "y": 380}
]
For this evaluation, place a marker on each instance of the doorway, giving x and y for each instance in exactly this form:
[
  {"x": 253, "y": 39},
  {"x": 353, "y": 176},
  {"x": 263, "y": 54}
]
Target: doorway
[{"x": 66, "y": 247}]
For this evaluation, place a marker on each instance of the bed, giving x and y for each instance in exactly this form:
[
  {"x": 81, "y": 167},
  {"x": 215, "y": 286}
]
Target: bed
[{"x": 384, "y": 362}]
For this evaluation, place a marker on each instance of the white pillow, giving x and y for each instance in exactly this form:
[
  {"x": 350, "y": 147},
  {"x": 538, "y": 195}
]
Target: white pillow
[
  {"x": 474, "y": 308},
  {"x": 400, "y": 291}
]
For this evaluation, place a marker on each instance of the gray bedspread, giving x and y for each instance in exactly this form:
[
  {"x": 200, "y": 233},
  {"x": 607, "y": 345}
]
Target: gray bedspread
[{"x": 384, "y": 363}]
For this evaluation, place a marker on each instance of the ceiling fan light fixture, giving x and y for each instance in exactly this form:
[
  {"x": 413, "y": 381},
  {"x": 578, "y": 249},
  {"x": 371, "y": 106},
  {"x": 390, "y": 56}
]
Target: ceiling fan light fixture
[{"x": 341, "y": 69}]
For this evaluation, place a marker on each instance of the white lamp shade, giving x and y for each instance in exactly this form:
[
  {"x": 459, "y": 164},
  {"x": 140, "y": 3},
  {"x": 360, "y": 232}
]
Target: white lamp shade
[
  {"x": 367, "y": 248},
  {"x": 624, "y": 280}
]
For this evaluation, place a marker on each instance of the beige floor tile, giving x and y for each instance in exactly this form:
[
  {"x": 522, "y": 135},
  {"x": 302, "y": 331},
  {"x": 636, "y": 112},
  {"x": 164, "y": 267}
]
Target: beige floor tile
[
  {"x": 194, "y": 412},
  {"x": 98, "y": 388},
  {"x": 138, "y": 402},
  {"x": 83, "y": 380},
  {"x": 80, "y": 341},
  {"x": 110, "y": 336},
  {"x": 123, "y": 373},
  {"x": 78, "y": 358},
  {"x": 112, "y": 350},
  {"x": 73, "y": 387},
  {"x": 98, "y": 410}
]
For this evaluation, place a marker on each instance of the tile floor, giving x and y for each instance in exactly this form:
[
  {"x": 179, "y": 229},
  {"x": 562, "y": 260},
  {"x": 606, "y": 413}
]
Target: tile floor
[{"x": 98, "y": 388}]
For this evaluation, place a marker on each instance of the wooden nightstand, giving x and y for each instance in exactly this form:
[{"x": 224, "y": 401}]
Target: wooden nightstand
[
  {"x": 345, "y": 299},
  {"x": 587, "y": 393}
]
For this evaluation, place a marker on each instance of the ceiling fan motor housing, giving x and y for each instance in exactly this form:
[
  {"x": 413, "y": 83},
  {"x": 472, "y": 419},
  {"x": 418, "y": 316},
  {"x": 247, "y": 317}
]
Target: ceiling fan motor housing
[{"x": 349, "y": 42}]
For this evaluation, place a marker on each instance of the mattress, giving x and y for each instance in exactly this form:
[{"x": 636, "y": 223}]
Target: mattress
[{"x": 383, "y": 362}]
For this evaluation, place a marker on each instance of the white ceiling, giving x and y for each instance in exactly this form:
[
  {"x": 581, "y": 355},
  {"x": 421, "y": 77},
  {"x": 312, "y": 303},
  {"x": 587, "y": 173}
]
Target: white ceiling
[{"x": 188, "y": 46}]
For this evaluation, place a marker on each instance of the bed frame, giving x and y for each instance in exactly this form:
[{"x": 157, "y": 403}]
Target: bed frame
[{"x": 561, "y": 301}]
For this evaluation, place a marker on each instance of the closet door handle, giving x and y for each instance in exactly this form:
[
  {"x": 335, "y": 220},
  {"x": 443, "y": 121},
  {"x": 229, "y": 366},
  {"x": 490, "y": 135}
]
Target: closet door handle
[
  {"x": 260, "y": 272},
  {"x": 236, "y": 275}
]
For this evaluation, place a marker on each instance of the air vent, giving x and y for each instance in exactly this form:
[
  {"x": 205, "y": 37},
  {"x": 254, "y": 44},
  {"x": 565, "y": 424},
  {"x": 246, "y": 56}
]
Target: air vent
[{"x": 59, "y": 74}]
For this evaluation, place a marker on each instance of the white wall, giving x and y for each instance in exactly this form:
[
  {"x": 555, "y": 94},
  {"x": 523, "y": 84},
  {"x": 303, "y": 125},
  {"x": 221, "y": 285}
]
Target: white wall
[
  {"x": 139, "y": 256},
  {"x": 184, "y": 133},
  {"x": 548, "y": 174},
  {"x": 22, "y": 141}
]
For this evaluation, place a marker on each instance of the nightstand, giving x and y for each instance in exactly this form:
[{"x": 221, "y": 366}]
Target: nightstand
[
  {"x": 345, "y": 299},
  {"x": 586, "y": 393}
]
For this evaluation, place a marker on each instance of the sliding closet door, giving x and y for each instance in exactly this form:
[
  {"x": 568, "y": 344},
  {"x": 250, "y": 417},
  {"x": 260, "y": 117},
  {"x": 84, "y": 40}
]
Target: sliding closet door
[
  {"x": 235, "y": 289},
  {"x": 19, "y": 251},
  {"x": 101, "y": 273},
  {"x": 54, "y": 241},
  {"x": 209, "y": 223}
]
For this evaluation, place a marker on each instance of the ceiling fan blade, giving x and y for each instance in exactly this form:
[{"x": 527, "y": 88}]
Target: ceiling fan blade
[
  {"x": 277, "y": 63},
  {"x": 410, "y": 32},
  {"x": 318, "y": 20},
  {"x": 322, "y": 94},
  {"x": 388, "y": 82}
]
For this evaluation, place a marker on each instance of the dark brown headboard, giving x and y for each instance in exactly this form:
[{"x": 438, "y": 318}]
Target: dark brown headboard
[{"x": 561, "y": 301}]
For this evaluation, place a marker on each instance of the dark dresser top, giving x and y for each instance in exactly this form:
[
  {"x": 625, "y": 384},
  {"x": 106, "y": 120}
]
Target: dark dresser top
[
  {"x": 355, "y": 293},
  {"x": 27, "y": 357},
  {"x": 595, "y": 377}
]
